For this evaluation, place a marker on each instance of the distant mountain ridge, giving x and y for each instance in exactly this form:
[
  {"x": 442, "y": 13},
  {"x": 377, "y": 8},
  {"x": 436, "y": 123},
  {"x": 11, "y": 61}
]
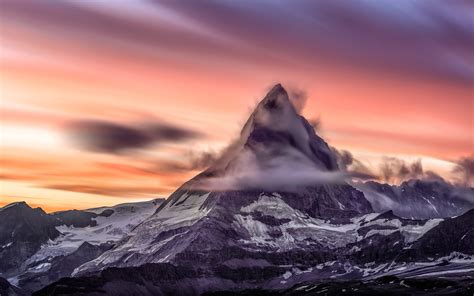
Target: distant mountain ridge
[
  {"x": 37, "y": 248},
  {"x": 419, "y": 199}
]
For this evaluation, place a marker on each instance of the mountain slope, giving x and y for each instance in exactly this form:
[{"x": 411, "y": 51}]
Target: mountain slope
[{"x": 346, "y": 268}]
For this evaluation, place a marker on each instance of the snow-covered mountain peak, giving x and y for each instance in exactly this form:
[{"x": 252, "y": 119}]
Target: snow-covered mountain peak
[
  {"x": 275, "y": 136},
  {"x": 279, "y": 177},
  {"x": 275, "y": 111}
]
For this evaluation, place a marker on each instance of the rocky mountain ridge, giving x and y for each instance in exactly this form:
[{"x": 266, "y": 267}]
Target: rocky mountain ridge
[{"x": 37, "y": 248}]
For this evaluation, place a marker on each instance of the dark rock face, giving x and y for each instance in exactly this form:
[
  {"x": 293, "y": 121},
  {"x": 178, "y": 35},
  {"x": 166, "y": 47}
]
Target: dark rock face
[
  {"x": 389, "y": 285},
  {"x": 379, "y": 248},
  {"x": 149, "y": 279},
  {"x": 76, "y": 218},
  {"x": 106, "y": 213},
  {"x": 451, "y": 235},
  {"x": 4, "y": 284},
  {"x": 165, "y": 279},
  {"x": 328, "y": 201},
  {"x": 389, "y": 215},
  {"x": 22, "y": 231},
  {"x": 419, "y": 199},
  {"x": 80, "y": 219},
  {"x": 6, "y": 289}
]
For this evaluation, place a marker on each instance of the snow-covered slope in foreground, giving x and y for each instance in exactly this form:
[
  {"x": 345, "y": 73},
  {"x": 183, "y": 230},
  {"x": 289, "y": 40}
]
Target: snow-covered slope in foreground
[{"x": 378, "y": 247}]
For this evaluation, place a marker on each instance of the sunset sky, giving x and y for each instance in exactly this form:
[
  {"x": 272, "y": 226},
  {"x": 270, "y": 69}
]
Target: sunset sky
[{"x": 385, "y": 78}]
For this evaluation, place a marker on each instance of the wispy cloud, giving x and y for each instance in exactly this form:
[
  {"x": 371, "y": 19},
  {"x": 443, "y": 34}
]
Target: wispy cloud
[
  {"x": 289, "y": 170},
  {"x": 112, "y": 190},
  {"x": 110, "y": 137},
  {"x": 430, "y": 39},
  {"x": 424, "y": 38},
  {"x": 393, "y": 169},
  {"x": 348, "y": 163},
  {"x": 465, "y": 170}
]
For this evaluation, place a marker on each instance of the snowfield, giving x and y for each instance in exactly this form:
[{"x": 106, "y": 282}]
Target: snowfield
[
  {"x": 108, "y": 230},
  {"x": 297, "y": 227}
]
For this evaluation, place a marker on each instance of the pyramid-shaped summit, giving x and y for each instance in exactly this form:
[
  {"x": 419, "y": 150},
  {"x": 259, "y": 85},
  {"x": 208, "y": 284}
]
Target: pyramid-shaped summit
[
  {"x": 243, "y": 206},
  {"x": 275, "y": 126}
]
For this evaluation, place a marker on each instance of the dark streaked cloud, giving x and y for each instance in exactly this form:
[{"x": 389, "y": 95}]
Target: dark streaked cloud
[
  {"x": 430, "y": 39},
  {"x": 110, "y": 190},
  {"x": 192, "y": 161},
  {"x": 465, "y": 169},
  {"x": 347, "y": 162},
  {"x": 123, "y": 27},
  {"x": 202, "y": 160},
  {"x": 110, "y": 137},
  {"x": 393, "y": 169},
  {"x": 424, "y": 38},
  {"x": 298, "y": 98},
  {"x": 315, "y": 123}
]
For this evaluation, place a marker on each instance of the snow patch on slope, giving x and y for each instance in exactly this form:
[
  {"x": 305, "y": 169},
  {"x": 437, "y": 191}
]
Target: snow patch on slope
[
  {"x": 412, "y": 233},
  {"x": 108, "y": 229},
  {"x": 295, "y": 228},
  {"x": 186, "y": 209},
  {"x": 141, "y": 245}
]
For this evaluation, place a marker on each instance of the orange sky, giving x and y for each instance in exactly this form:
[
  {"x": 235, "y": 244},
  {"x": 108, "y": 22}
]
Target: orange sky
[{"x": 203, "y": 68}]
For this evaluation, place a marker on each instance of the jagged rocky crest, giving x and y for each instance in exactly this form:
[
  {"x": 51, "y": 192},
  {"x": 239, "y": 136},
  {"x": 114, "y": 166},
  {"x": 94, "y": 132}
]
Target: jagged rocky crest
[
  {"x": 275, "y": 126},
  {"x": 22, "y": 231}
]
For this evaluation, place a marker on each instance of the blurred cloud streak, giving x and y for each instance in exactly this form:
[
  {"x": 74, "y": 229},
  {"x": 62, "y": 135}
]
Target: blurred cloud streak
[{"x": 108, "y": 137}]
